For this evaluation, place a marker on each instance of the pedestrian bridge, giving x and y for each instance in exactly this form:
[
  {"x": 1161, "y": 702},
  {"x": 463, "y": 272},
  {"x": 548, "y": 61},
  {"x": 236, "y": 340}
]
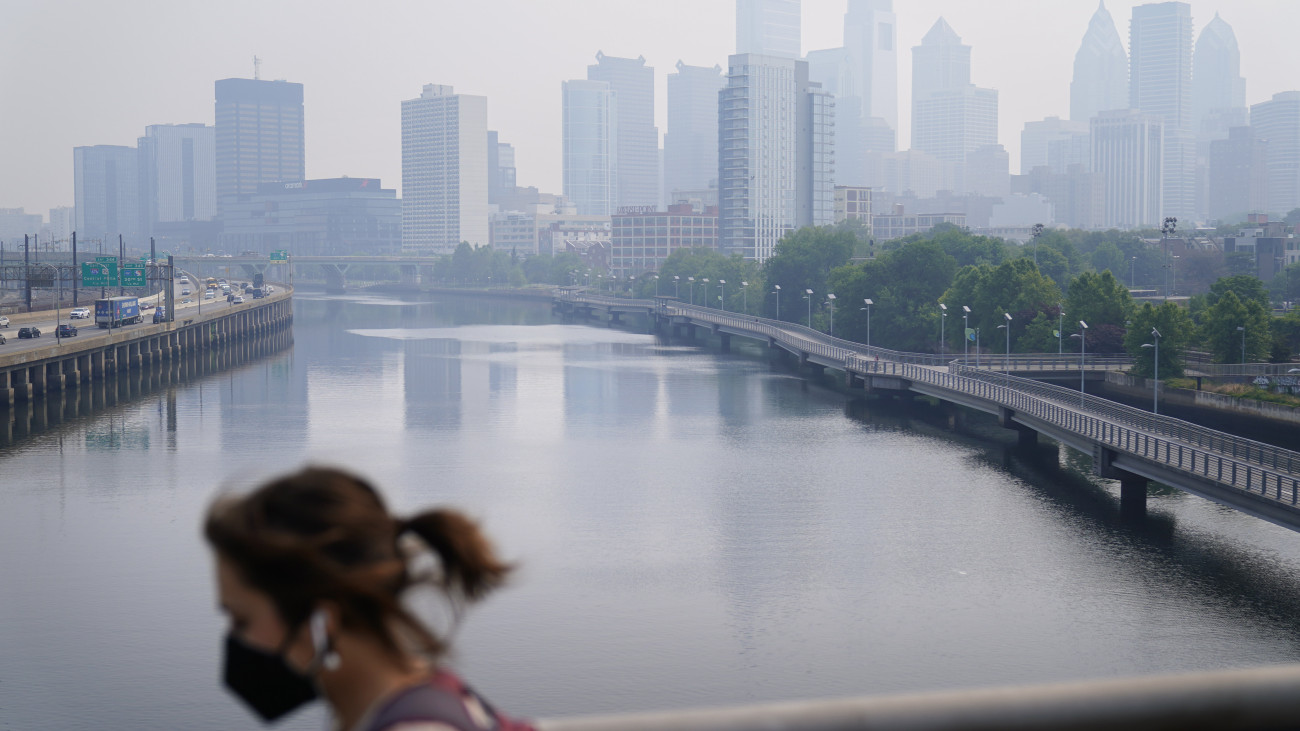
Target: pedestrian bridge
[{"x": 1126, "y": 444}]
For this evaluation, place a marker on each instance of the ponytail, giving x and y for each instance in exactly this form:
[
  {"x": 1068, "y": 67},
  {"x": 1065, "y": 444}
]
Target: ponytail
[{"x": 470, "y": 567}]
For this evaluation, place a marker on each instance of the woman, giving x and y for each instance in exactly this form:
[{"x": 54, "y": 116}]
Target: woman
[{"x": 311, "y": 569}]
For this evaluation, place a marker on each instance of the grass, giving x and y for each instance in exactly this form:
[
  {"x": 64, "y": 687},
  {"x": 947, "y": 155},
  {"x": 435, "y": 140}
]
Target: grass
[{"x": 1236, "y": 390}]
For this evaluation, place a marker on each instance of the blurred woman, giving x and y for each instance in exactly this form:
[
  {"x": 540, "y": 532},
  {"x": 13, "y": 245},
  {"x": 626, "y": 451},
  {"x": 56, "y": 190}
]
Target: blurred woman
[{"x": 311, "y": 569}]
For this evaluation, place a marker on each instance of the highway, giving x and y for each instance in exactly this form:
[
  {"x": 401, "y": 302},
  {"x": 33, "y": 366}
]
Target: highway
[{"x": 86, "y": 328}]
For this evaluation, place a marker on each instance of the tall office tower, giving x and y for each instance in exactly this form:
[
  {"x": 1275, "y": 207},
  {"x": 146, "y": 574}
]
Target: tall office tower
[
  {"x": 1238, "y": 179},
  {"x": 63, "y": 221},
  {"x": 1054, "y": 143},
  {"x": 870, "y": 42},
  {"x": 775, "y": 153},
  {"x": 590, "y": 147},
  {"x": 106, "y": 182},
  {"x": 501, "y": 168},
  {"x": 1277, "y": 123},
  {"x": 637, "y": 139},
  {"x": 1100, "y": 70},
  {"x": 259, "y": 134},
  {"x": 988, "y": 171},
  {"x": 951, "y": 117},
  {"x": 1126, "y": 153},
  {"x": 444, "y": 171},
  {"x": 178, "y": 179},
  {"x": 691, "y": 141},
  {"x": 1160, "y": 82},
  {"x": 768, "y": 27},
  {"x": 1218, "y": 90}
]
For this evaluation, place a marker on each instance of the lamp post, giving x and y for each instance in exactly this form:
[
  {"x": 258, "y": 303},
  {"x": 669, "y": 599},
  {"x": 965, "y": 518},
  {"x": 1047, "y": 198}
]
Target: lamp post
[
  {"x": 965, "y": 338},
  {"x": 1155, "y": 387},
  {"x": 830, "y": 299},
  {"x": 1167, "y": 229},
  {"x": 723, "y": 284},
  {"x": 869, "y": 303},
  {"x": 744, "y": 297},
  {"x": 808, "y": 293},
  {"x": 1006, "y": 362},
  {"x": 1060, "y": 334},
  {"x": 676, "y": 281},
  {"x": 1037, "y": 231},
  {"x": 690, "y": 282},
  {"x": 1242, "y": 330},
  {"x": 943, "y": 328},
  {"x": 977, "y": 347},
  {"x": 1173, "y": 268},
  {"x": 656, "y": 276},
  {"x": 777, "y": 292},
  {"x": 1083, "y": 354},
  {"x": 1132, "y": 272},
  {"x": 704, "y": 290}
]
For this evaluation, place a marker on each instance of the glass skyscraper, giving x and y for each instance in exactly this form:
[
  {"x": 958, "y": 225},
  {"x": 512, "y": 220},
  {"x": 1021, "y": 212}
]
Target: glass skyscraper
[
  {"x": 590, "y": 146},
  {"x": 259, "y": 134},
  {"x": 768, "y": 27}
]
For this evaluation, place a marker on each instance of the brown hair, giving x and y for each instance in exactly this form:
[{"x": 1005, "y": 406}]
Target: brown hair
[{"x": 322, "y": 534}]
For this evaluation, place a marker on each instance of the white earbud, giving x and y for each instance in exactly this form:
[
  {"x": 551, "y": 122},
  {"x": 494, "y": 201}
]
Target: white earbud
[{"x": 320, "y": 641}]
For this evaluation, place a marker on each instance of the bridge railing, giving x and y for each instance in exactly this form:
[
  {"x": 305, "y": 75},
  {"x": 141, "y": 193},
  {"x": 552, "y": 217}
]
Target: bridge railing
[
  {"x": 1245, "y": 369},
  {"x": 1045, "y": 362}
]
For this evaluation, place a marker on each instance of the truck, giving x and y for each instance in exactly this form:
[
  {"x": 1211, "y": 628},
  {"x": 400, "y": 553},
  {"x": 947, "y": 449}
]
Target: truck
[{"x": 117, "y": 311}]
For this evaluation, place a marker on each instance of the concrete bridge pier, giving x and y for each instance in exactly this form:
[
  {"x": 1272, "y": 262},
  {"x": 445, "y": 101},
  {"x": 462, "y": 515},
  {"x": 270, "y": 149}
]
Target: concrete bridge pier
[
  {"x": 255, "y": 267},
  {"x": 805, "y": 363},
  {"x": 409, "y": 274},
  {"x": 726, "y": 342},
  {"x": 335, "y": 277},
  {"x": 615, "y": 318},
  {"x": 1132, "y": 495}
]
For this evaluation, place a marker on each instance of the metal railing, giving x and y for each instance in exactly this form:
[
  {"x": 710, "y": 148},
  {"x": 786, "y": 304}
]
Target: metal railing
[
  {"x": 1253, "y": 698},
  {"x": 1244, "y": 369}
]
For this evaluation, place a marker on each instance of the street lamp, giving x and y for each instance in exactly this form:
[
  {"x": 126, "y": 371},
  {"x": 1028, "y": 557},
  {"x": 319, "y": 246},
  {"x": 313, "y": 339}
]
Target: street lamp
[
  {"x": 777, "y": 292},
  {"x": 869, "y": 303},
  {"x": 1167, "y": 229},
  {"x": 1060, "y": 332},
  {"x": 691, "y": 283},
  {"x": 1132, "y": 272},
  {"x": 656, "y": 276},
  {"x": 723, "y": 284},
  {"x": 1037, "y": 231},
  {"x": 965, "y": 339},
  {"x": 1242, "y": 330},
  {"x": 704, "y": 292},
  {"x": 943, "y": 328},
  {"x": 744, "y": 297},
  {"x": 1006, "y": 363},
  {"x": 1083, "y": 354},
  {"x": 830, "y": 299},
  {"x": 676, "y": 281},
  {"x": 808, "y": 293},
  {"x": 1155, "y": 387}
]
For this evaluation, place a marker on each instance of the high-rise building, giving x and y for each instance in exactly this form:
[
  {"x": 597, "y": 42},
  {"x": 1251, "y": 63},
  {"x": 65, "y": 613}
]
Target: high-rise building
[
  {"x": 444, "y": 170},
  {"x": 177, "y": 175},
  {"x": 871, "y": 45},
  {"x": 691, "y": 141},
  {"x": 1238, "y": 179},
  {"x": 768, "y": 27},
  {"x": 63, "y": 221},
  {"x": 106, "y": 183},
  {"x": 501, "y": 168},
  {"x": 1277, "y": 123},
  {"x": 1127, "y": 154},
  {"x": 988, "y": 171},
  {"x": 332, "y": 217},
  {"x": 637, "y": 139},
  {"x": 1217, "y": 85},
  {"x": 951, "y": 117},
  {"x": 590, "y": 147},
  {"x": 1054, "y": 143},
  {"x": 1100, "y": 70},
  {"x": 1160, "y": 83},
  {"x": 259, "y": 134},
  {"x": 775, "y": 156}
]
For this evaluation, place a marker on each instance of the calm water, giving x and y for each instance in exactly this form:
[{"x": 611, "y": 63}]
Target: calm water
[{"x": 693, "y": 529}]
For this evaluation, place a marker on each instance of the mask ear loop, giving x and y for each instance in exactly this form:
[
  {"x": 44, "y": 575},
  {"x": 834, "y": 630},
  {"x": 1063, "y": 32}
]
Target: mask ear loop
[{"x": 326, "y": 656}]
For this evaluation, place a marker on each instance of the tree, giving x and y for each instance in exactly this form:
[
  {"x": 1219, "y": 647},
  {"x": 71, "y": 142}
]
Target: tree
[
  {"x": 1015, "y": 287},
  {"x": 1108, "y": 257},
  {"x": 1039, "y": 335},
  {"x": 1245, "y": 286},
  {"x": 804, "y": 260},
  {"x": 1220, "y": 323},
  {"x": 1053, "y": 265},
  {"x": 1176, "y": 333},
  {"x": 905, "y": 284},
  {"x": 1098, "y": 299}
]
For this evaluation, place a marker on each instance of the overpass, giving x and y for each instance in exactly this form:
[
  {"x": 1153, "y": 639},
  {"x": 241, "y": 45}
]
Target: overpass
[
  {"x": 412, "y": 269},
  {"x": 1126, "y": 444}
]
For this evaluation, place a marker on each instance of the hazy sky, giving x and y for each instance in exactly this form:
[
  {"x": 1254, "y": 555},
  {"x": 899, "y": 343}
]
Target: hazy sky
[{"x": 85, "y": 72}]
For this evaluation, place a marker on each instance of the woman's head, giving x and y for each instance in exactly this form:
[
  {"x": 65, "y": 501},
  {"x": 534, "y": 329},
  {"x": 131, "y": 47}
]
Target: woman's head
[{"x": 322, "y": 539}]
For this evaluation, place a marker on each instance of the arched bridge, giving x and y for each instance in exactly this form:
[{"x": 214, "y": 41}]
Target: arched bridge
[{"x": 1126, "y": 444}]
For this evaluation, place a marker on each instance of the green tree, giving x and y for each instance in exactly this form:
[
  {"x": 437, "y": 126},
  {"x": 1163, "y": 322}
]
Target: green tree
[
  {"x": 1015, "y": 287},
  {"x": 905, "y": 284},
  {"x": 1052, "y": 264},
  {"x": 804, "y": 260},
  {"x": 1108, "y": 257},
  {"x": 1098, "y": 299},
  {"x": 1176, "y": 333},
  {"x": 1245, "y": 286},
  {"x": 1039, "y": 335},
  {"x": 1220, "y": 327}
]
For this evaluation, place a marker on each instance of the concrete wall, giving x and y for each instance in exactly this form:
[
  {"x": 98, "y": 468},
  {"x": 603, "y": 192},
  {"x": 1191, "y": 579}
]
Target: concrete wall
[{"x": 1186, "y": 397}]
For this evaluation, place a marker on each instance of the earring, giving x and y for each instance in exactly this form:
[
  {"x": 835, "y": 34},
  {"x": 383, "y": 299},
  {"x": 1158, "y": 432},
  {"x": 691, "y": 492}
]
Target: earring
[{"x": 332, "y": 660}]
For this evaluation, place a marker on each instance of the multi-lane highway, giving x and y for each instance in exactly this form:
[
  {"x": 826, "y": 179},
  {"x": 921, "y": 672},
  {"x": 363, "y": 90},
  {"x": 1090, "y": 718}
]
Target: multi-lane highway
[{"x": 86, "y": 328}]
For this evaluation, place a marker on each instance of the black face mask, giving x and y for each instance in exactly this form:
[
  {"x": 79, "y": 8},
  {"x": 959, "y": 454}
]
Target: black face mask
[{"x": 264, "y": 680}]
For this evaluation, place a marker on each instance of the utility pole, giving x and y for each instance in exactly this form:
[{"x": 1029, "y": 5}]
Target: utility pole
[
  {"x": 74, "y": 269},
  {"x": 121, "y": 259},
  {"x": 27, "y": 273}
]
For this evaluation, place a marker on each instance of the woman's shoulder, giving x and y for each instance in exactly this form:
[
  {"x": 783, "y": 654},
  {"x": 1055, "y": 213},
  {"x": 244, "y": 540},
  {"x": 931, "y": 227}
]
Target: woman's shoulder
[{"x": 441, "y": 703}]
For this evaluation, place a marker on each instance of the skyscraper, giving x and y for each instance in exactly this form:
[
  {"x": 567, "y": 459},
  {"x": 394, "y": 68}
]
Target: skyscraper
[
  {"x": 691, "y": 141},
  {"x": 870, "y": 42},
  {"x": 1160, "y": 83},
  {"x": 1100, "y": 70},
  {"x": 177, "y": 175},
  {"x": 951, "y": 117},
  {"x": 444, "y": 171},
  {"x": 1054, "y": 143},
  {"x": 1238, "y": 179},
  {"x": 590, "y": 147},
  {"x": 768, "y": 27},
  {"x": 501, "y": 168},
  {"x": 776, "y": 155},
  {"x": 259, "y": 134},
  {"x": 106, "y": 186},
  {"x": 1218, "y": 90},
  {"x": 1277, "y": 123},
  {"x": 1126, "y": 153},
  {"x": 636, "y": 146}
]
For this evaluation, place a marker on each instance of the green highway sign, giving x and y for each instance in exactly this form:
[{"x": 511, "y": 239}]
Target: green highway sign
[
  {"x": 106, "y": 259},
  {"x": 99, "y": 274},
  {"x": 133, "y": 276},
  {"x": 280, "y": 255}
]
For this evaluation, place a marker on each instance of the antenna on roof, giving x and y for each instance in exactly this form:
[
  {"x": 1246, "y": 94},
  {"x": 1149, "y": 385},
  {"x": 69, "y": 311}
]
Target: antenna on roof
[{"x": 257, "y": 67}]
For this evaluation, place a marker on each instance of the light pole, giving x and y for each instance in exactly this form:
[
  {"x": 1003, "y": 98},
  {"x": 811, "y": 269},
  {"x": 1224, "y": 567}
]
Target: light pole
[
  {"x": 656, "y": 276},
  {"x": 1167, "y": 229},
  {"x": 977, "y": 347},
  {"x": 808, "y": 293},
  {"x": 830, "y": 299},
  {"x": 1037, "y": 231},
  {"x": 723, "y": 284},
  {"x": 1173, "y": 268},
  {"x": 1060, "y": 333},
  {"x": 1132, "y": 272},
  {"x": 744, "y": 297},
  {"x": 965, "y": 338},
  {"x": 676, "y": 281},
  {"x": 943, "y": 328},
  {"x": 1006, "y": 363},
  {"x": 777, "y": 292},
  {"x": 690, "y": 281},
  {"x": 704, "y": 291},
  {"x": 1083, "y": 354},
  {"x": 1155, "y": 387},
  {"x": 1242, "y": 329},
  {"x": 869, "y": 303}
]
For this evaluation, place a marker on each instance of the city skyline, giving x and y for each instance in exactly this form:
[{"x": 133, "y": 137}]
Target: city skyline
[{"x": 352, "y": 103}]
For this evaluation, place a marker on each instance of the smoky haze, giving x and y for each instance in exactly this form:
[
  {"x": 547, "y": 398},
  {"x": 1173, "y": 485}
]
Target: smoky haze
[{"x": 82, "y": 72}]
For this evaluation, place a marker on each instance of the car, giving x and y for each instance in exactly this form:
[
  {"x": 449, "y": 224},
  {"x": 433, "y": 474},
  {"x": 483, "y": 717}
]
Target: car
[
  {"x": 4, "y": 321},
  {"x": 186, "y": 301},
  {"x": 160, "y": 315},
  {"x": 185, "y": 292},
  {"x": 29, "y": 332},
  {"x": 210, "y": 294},
  {"x": 248, "y": 289},
  {"x": 258, "y": 294},
  {"x": 65, "y": 331},
  {"x": 237, "y": 301},
  {"x": 146, "y": 305},
  {"x": 79, "y": 313},
  {"x": 2, "y": 340}
]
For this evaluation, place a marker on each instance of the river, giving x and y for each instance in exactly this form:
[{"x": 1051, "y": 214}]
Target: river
[{"x": 692, "y": 528}]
